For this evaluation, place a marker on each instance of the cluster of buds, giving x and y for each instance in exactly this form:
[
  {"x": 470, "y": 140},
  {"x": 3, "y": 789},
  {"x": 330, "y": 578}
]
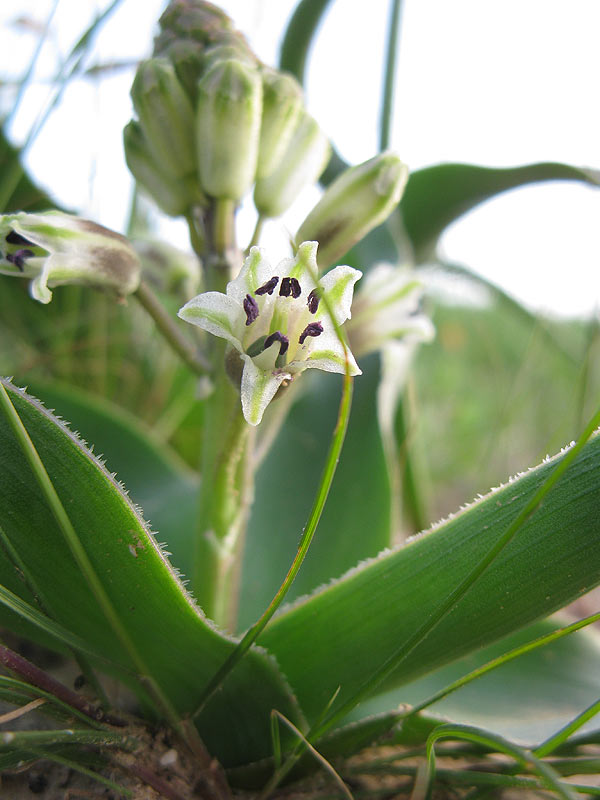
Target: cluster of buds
[{"x": 213, "y": 121}]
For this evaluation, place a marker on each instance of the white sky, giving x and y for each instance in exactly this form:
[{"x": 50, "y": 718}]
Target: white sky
[{"x": 502, "y": 83}]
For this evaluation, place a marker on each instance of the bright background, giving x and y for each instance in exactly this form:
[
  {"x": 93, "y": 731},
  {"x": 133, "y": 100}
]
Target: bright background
[{"x": 494, "y": 83}]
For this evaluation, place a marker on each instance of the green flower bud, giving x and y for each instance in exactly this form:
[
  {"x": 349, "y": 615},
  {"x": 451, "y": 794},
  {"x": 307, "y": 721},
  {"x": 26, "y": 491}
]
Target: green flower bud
[
  {"x": 361, "y": 198},
  {"x": 187, "y": 58},
  {"x": 166, "y": 116},
  {"x": 191, "y": 59},
  {"x": 304, "y": 159},
  {"x": 174, "y": 196},
  {"x": 282, "y": 103},
  {"x": 233, "y": 49},
  {"x": 55, "y": 249},
  {"x": 228, "y": 125},
  {"x": 194, "y": 19},
  {"x": 194, "y": 34}
]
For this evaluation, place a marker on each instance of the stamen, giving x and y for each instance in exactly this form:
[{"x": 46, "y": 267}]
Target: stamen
[
  {"x": 269, "y": 286},
  {"x": 251, "y": 309},
  {"x": 18, "y": 258},
  {"x": 313, "y": 301},
  {"x": 290, "y": 286},
  {"x": 277, "y": 337},
  {"x": 15, "y": 238},
  {"x": 312, "y": 329}
]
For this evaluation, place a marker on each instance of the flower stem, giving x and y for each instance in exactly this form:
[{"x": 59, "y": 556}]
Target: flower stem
[
  {"x": 225, "y": 497},
  {"x": 223, "y": 225},
  {"x": 169, "y": 330},
  {"x": 258, "y": 229},
  {"x": 387, "y": 101}
]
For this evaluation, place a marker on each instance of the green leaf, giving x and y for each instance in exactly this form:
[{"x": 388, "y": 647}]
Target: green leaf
[
  {"x": 436, "y": 196},
  {"x": 341, "y": 635},
  {"x": 299, "y": 35},
  {"x": 526, "y": 699},
  {"x": 161, "y": 632},
  {"x": 285, "y": 488},
  {"x": 155, "y": 477}
]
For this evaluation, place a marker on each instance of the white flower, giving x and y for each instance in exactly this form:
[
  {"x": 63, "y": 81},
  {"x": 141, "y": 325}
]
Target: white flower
[
  {"x": 387, "y": 309},
  {"x": 54, "y": 248},
  {"x": 279, "y": 322}
]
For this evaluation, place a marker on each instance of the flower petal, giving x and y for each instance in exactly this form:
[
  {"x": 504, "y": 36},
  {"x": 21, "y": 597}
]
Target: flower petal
[
  {"x": 218, "y": 314},
  {"x": 326, "y": 352},
  {"x": 258, "y": 389},
  {"x": 304, "y": 265},
  {"x": 255, "y": 272},
  {"x": 338, "y": 287}
]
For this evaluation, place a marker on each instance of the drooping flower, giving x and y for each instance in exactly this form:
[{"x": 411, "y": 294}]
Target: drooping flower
[
  {"x": 387, "y": 309},
  {"x": 279, "y": 322},
  {"x": 388, "y": 317},
  {"x": 54, "y": 249}
]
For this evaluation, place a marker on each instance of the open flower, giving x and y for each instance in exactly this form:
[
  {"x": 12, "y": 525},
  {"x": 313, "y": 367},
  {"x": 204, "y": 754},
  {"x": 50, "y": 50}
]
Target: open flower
[
  {"x": 54, "y": 248},
  {"x": 279, "y": 321}
]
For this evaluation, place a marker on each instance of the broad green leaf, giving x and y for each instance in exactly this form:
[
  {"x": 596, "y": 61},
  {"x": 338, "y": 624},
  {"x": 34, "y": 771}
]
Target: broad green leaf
[
  {"x": 436, "y": 196},
  {"x": 285, "y": 489},
  {"x": 155, "y": 478},
  {"x": 342, "y": 634},
  {"x": 525, "y": 700},
  {"x": 164, "y": 634}
]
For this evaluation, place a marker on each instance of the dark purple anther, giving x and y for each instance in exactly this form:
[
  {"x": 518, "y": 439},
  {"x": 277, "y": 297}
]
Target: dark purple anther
[
  {"x": 251, "y": 309},
  {"x": 269, "y": 286},
  {"x": 18, "y": 258},
  {"x": 277, "y": 337},
  {"x": 289, "y": 286},
  {"x": 313, "y": 301},
  {"x": 15, "y": 238},
  {"x": 312, "y": 329}
]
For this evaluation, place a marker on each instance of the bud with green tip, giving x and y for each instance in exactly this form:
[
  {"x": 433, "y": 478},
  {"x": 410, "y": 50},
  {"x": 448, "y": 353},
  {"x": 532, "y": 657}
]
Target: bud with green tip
[
  {"x": 229, "y": 110},
  {"x": 194, "y": 19},
  {"x": 166, "y": 116},
  {"x": 282, "y": 104},
  {"x": 55, "y": 249},
  {"x": 234, "y": 50},
  {"x": 304, "y": 159},
  {"x": 187, "y": 59},
  {"x": 361, "y": 198},
  {"x": 174, "y": 196}
]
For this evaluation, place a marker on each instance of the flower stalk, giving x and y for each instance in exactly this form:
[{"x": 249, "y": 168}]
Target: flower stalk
[{"x": 225, "y": 497}]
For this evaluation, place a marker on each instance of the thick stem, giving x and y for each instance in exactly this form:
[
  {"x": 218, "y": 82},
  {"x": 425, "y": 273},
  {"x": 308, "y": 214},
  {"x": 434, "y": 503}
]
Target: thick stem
[
  {"x": 223, "y": 229},
  {"x": 225, "y": 497}
]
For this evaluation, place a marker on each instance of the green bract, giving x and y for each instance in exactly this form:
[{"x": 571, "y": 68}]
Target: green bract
[
  {"x": 55, "y": 249},
  {"x": 278, "y": 320}
]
